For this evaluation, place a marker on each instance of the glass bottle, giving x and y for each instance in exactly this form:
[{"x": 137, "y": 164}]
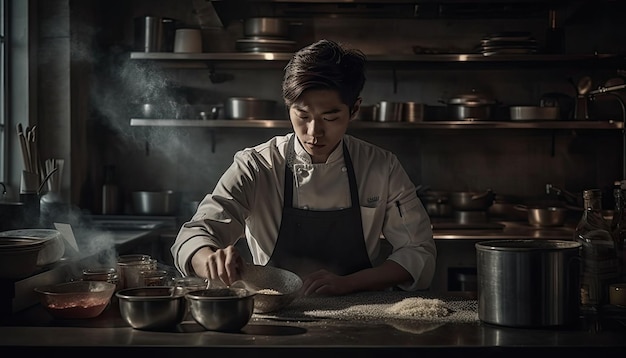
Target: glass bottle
[
  {"x": 110, "y": 194},
  {"x": 618, "y": 229},
  {"x": 599, "y": 261}
]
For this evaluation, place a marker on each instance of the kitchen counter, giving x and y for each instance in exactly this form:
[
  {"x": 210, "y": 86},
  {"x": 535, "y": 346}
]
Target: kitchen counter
[
  {"x": 299, "y": 331},
  {"x": 495, "y": 230},
  {"x": 294, "y": 331}
]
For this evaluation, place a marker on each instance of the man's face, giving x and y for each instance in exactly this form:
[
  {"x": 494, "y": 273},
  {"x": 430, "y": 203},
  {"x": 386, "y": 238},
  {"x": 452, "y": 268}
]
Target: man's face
[{"x": 320, "y": 120}]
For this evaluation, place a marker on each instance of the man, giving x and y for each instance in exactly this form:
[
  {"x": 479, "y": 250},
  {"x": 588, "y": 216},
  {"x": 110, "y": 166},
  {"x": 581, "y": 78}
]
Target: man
[{"x": 315, "y": 201}]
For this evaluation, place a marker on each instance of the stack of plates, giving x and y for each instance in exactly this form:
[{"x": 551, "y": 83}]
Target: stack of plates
[
  {"x": 265, "y": 44},
  {"x": 508, "y": 43}
]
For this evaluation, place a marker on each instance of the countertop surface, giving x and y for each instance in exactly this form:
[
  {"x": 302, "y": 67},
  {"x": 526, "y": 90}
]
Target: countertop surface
[
  {"x": 345, "y": 327},
  {"x": 351, "y": 324},
  {"x": 508, "y": 230}
]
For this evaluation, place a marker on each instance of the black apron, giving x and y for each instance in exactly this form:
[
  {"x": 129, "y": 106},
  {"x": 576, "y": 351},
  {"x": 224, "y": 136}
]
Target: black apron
[{"x": 310, "y": 240}]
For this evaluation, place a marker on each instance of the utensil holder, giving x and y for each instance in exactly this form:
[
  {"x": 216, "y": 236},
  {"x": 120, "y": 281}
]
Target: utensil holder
[{"x": 29, "y": 182}]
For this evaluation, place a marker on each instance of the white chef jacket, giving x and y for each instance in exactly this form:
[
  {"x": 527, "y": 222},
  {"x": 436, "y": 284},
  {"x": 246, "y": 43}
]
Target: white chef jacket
[{"x": 248, "y": 200}]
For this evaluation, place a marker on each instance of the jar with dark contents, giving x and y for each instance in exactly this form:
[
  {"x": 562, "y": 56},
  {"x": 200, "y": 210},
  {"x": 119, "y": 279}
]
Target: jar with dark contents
[
  {"x": 130, "y": 269},
  {"x": 154, "y": 278}
]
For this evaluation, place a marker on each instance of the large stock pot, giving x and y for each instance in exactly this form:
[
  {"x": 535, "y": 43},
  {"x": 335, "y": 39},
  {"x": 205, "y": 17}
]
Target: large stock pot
[{"x": 528, "y": 283}]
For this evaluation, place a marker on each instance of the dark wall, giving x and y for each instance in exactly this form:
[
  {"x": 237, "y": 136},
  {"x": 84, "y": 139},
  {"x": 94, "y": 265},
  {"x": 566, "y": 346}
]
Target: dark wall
[{"x": 509, "y": 161}]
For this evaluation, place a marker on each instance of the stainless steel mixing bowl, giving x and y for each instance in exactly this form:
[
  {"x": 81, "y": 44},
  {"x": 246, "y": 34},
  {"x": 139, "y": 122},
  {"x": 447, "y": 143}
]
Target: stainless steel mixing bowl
[
  {"x": 151, "y": 307},
  {"x": 221, "y": 309}
]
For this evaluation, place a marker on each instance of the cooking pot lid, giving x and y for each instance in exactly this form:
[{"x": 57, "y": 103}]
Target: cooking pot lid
[
  {"x": 526, "y": 245},
  {"x": 19, "y": 244},
  {"x": 42, "y": 234},
  {"x": 473, "y": 98}
]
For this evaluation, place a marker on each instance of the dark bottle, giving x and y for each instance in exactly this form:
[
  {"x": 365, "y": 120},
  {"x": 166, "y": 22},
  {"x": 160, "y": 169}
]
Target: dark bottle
[
  {"x": 618, "y": 229},
  {"x": 110, "y": 192},
  {"x": 555, "y": 36},
  {"x": 599, "y": 260}
]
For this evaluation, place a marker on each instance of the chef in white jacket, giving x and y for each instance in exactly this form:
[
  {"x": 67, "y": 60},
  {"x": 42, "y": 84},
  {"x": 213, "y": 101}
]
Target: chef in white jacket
[{"x": 315, "y": 201}]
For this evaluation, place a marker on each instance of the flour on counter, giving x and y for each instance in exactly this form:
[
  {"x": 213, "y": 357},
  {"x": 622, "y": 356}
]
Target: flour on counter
[
  {"x": 396, "y": 305},
  {"x": 419, "y": 307}
]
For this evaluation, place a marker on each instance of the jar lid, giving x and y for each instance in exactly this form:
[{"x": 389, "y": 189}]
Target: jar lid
[{"x": 99, "y": 270}]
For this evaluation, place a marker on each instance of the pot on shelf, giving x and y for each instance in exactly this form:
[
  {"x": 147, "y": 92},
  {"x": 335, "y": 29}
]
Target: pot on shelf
[
  {"x": 249, "y": 108},
  {"x": 471, "y": 200},
  {"x": 472, "y": 106},
  {"x": 266, "y": 27},
  {"x": 165, "y": 202}
]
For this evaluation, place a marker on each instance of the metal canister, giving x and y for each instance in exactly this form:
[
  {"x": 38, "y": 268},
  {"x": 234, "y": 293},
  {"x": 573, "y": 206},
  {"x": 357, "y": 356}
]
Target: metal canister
[{"x": 528, "y": 283}]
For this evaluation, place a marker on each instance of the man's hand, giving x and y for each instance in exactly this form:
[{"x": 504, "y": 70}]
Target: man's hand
[
  {"x": 325, "y": 283},
  {"x": 221, "y": 264}
]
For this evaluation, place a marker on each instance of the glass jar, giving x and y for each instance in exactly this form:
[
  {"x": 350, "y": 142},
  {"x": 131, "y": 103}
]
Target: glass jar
[
  {"x": 599, "y": 260},
  {"x": 106, "y": 274},
  {"x": 154, "y": 278},
  {"x": 130, "y": 268},
  {"x": 183, "y": 285}
]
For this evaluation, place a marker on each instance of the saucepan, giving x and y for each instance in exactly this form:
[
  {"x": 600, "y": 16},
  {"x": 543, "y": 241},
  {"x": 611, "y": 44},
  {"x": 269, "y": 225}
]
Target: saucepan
[
  {"x": 544, "y": 216},
  {"x": 472, "y": 106},
  {"x": 471, "y": 200},
  {"x": 266, "y": 27},
  {"x": 164, "y": 202},
  {"x": 437, "y": 203}
]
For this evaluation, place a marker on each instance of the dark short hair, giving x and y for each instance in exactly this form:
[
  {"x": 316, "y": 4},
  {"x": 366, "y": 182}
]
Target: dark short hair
[{"x": 325, "y": 65}]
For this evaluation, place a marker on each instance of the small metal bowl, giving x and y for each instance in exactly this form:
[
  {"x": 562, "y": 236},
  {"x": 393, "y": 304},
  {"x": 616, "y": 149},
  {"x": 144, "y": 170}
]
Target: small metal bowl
[
  {"x": 221, "y": 309},
  {"x": 151, "y": 307}
]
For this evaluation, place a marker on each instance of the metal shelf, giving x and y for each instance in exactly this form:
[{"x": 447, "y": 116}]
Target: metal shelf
[
  {"x": 435, "y": 58},
  {"x": 256, "y": 123}
]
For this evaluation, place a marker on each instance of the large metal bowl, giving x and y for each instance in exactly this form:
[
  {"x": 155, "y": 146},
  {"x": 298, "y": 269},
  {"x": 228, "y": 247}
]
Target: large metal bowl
[
  {"x": 77, "y": 299},
  {"x": 221, "y": 309},
  {"x": 18, "y": 256},
  {"x": 53, "y": 247},
  {"x": 151, "y": 307},
  {"x": 277, "y": 287}
]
